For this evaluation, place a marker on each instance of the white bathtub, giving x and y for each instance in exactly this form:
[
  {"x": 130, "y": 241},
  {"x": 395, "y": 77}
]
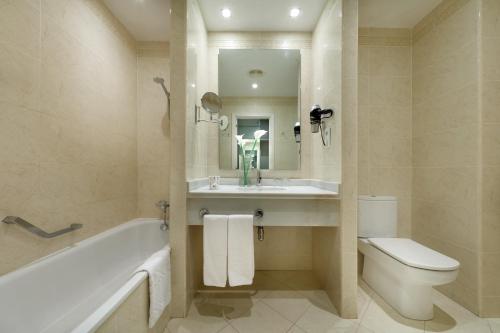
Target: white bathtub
[{"x": 79, "y": 287}]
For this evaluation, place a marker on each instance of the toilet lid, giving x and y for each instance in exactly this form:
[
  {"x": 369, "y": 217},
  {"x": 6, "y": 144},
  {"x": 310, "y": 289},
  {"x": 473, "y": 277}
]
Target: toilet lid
[{"x": 414, "y": 254}]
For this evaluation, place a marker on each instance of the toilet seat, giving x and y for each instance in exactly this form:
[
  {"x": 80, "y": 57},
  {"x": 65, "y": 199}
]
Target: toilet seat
[{"x": 414, "y": 254}]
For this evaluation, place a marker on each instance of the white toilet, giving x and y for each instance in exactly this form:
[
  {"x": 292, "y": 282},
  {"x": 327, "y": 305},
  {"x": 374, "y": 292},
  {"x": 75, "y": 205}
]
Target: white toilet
[{"x": 400, "y": 270}]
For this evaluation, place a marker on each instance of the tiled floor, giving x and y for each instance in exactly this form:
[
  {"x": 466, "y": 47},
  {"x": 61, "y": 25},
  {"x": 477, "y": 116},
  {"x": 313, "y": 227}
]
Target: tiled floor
[{"x": 285, "y": 301}]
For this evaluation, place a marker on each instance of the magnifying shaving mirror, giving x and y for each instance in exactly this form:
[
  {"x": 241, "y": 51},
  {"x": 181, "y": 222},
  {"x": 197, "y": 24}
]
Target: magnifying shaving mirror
[{"x": 212, "y": 103}]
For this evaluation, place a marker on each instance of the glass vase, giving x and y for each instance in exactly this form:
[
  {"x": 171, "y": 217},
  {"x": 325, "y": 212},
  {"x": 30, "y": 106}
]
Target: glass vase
[{"x": 245, "y": 167}]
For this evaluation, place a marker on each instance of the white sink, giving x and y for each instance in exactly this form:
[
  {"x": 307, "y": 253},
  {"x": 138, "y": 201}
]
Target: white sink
[
  {"x": 261, "y": 188},
  {"x": 306, "y": 189}
]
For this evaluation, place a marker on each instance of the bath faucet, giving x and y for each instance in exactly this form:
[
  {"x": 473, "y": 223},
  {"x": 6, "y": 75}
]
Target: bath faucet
[
  {"x": 163, "y": 205},
  {"x": 259, "y": 178}
]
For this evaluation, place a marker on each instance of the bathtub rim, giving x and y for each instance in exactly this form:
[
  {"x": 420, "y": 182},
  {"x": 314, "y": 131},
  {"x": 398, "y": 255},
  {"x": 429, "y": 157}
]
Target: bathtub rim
[
  {"x": 90, "y": 240},
  {"x": 104, "y": 311},
  {"x": 92, "y": 322}
]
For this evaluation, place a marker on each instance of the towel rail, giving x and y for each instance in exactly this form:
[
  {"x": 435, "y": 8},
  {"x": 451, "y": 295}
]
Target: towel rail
[
  {"x": 37, "y": 231},
  {"x": 258, "y": 213}
]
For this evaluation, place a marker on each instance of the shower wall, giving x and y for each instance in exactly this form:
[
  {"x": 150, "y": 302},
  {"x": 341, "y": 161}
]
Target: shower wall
[
  {"x": 67, "y": 123},
  {"x": 153, "y": 128}
]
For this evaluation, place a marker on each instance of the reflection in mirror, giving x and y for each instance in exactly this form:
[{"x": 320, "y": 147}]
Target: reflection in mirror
[{"x": 259, "y": 89}]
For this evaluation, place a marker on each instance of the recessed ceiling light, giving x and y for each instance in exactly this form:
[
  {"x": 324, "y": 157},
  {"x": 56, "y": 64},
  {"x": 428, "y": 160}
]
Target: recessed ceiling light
[
  {"x": 294, "y": 12},
  {"x": 226, "y": 12},
  {"x": 255, "y": 85}
]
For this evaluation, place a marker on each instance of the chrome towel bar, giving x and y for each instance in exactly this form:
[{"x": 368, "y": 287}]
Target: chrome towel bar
[
  {"x": 37, "y": 231},
  {"x": 258, "y": 213}
]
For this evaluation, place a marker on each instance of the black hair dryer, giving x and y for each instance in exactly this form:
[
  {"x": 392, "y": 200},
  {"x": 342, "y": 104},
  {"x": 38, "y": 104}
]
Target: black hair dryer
[{"x": 317, "y": 115}]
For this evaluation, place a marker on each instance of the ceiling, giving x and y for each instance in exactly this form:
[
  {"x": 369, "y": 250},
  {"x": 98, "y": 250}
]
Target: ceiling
[
  {"x": 393, "y": 13},
  {"x": 261, "y": 15},
  {"x": 146, "y": 20},
  {"x": 149, "y": 20},
  {"x": 280, "y": 77}
]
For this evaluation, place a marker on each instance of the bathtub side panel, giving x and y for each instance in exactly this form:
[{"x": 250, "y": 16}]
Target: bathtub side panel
[{"x": 132, "y": 316}]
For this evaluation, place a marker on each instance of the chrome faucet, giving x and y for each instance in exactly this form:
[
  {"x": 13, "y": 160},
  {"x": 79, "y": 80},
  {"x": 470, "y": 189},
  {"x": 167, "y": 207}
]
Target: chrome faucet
[
  {"x": 259, "y": 178},
  {"x": 163, "y": 205}
]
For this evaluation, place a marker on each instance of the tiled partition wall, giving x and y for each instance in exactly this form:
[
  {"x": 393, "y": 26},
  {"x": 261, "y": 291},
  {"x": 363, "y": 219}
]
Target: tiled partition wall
[
  {"x": 197, "y": 147},
  {"x": 153, "y": 128},
  {"x": 67, "y": 123},
  {"x": 335, "y": 86},
  {"x": 178, "y": 204},
  {"x": 326, "y": 91},
  {"x": 490, "y": 172},
  {"x": 446, "y": 145},
  {"x": 385, "y": 119},
  {"x": 346, "y": 240}
]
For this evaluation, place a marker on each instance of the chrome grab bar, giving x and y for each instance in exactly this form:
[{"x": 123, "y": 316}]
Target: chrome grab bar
[{"x": 37, "y": 231}]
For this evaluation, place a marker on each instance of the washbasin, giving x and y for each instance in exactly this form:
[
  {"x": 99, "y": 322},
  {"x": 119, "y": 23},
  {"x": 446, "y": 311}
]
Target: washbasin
[{"x": 261, "y": 188}]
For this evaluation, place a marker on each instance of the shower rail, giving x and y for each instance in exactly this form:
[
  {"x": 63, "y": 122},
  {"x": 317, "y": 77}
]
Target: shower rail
[{"x": 37, "y": 231}]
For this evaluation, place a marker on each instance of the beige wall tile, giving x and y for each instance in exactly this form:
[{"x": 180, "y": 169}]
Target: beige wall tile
[
  {"x": 491, "y": 100},
  {"x": 153, "y": 128},
  {"x": 490, "y": 14},
  {"x": 385, "y": 119},
  {"x": 446, "y": 141},
  {"x": 491, "y": 144},
  {"x": 490, "y": 273},
  {"x": 25, "y": 36},
  {"x": 491, "y": 62},
  {"x": 284, "y": 248},
  {"x": 454, "y": 147},
  {"x": 67, "y": 127}
]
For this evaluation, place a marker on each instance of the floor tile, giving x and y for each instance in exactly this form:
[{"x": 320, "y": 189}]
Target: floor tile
[
  {"x": 317, "y": 320},
  {"x": 295, "y": 329},
  {"x": 318, "y": 298},
  {"x": 272, "y": 305},
  {"x": 494, "y": 325},
  {"x": 228, "y": 329},
  {"x": 290, "y": 304},
  {"x": 381, "y": 318},
  {"x": 234, "y": 305},
  {"x": 363, "y": 300},
  {"x": 203, "y": 317},
  {"x": 262, "y": 319},
  {"x": 452, "y": 317},
  {"x": 362, "y": 329}
]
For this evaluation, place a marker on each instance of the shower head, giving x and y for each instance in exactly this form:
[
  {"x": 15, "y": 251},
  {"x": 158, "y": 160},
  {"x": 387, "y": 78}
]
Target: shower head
[{"x": 159, "y": 80}]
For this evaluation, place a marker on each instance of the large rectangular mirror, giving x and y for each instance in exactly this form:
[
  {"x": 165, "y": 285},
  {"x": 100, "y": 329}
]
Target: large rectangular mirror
[{"x": 260, "y": 90}]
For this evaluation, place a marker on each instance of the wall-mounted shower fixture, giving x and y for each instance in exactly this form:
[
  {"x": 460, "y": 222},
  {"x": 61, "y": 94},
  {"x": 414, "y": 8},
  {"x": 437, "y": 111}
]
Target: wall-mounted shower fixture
[
  {"x": 211, "y": 103},
  {"x": 161, "y": 82},
  {"x": 163, "y": 205}
]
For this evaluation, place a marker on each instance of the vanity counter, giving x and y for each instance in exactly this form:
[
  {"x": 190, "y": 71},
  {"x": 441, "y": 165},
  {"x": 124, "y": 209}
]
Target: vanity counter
[{"x": 289, "y": 189}]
